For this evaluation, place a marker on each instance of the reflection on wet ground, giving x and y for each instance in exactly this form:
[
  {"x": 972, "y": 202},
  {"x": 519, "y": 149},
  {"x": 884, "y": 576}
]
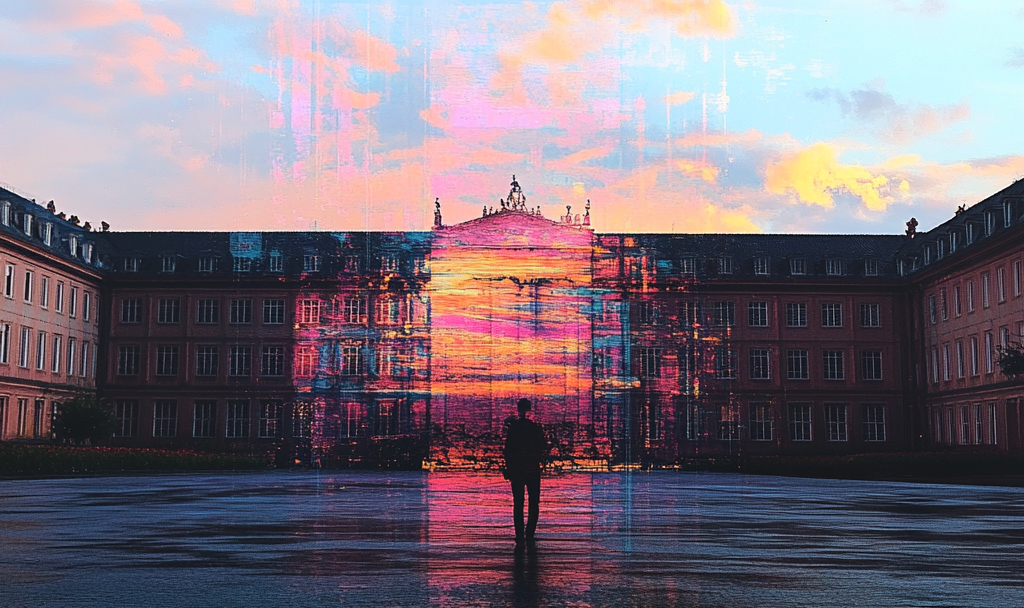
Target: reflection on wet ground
[{"x": 415, "y": 539}]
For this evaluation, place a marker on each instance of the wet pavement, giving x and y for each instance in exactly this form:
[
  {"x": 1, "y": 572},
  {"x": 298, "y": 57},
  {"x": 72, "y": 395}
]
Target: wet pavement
[{"x": 439, "y": 539}]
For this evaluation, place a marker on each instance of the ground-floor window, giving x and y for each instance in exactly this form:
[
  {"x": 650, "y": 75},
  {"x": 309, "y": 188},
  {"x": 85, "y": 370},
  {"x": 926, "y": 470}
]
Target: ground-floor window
[
  {"x": 351, "y": 420},
  {"x": 800, "y": 421},
  {"x": 126, "y": 414},
  {"x": 937, "y": 422},
  {"x": 761, "y": 421},
  {"x": 728, "y": 423},
  {"x": 270, "y": 419},
  {"x": 965, "y": 425},
  {"x": 165, "y": 418},
  {"x": 302, "y": 420},
  {"x": 237, "y": 423},
  {"x": 40, "y": 411},
  {"x": 979, "y": 424},
  {"x": 992, "y": 424},
  {"x": 874, "y": 422},
  {"x": 204, "y": 419},
  {"x": 835, "y": 421}
]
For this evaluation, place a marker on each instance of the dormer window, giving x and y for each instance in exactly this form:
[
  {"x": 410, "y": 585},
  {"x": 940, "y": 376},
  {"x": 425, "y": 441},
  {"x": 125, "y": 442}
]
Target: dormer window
[
  {"x": 833, "y": 267},
  {"x": 687, "y": 266},
  {"x": 242, "y": 264},
  {"x": 389, "y": 263},
  {"x": 952, "y": 242},
  {"x": 725, "y": 265},
  {"x": 1007, "y": 214},
  {"x": 797, "y": 266},
  {"x": 871, "y": 267},
  {"x": 48, "y": 233},
  {"x": 276, "y": 262},
  {"x": 168, "y": 263},
  {"x": 899, "y": 263},
  {"x": 132, "y": 264},
  {"x": 940, "y": 248},
  {"x": 310, "y": 263},
  {"x": 761, "y": 266},
  {"x": 73, "y": 245},
  {"x": 206, "y": 264},
  {"x": 87, "y": 252},
  {"x": 27, "y": 224},
  {"x": 990, "y": 222},
  {"x": 927, "y": 255},
  {"x": 5, "y": 213},
  {"x": 351, "y": 263}
]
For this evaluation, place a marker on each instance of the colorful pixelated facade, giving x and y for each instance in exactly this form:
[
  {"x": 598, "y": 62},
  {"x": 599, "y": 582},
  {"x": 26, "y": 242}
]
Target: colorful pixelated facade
[{"x": 410, "y": 349}]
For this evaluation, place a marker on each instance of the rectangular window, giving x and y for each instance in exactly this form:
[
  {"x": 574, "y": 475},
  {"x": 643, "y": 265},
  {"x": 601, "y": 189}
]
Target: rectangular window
[
  {"x": 835, "y": 421},
  {"x": 833, "y": 361},
  {"x": 388, "y": 311},
  {"x": 725, "y": 265},
  {"x": 869, "y": 315},
  {"x": 165, "y": 418},
  {"x": 992, "y": 423},
  {"x": 206, "y": 360},
  {"x": 44, "y": 292},
  {"x": 979, "y": 424},
  {"x": 943, "y": 306},
  {"x": 167, "y": 360},
  {"x": 132, "y": 264},
  {"x": 168, "y": 263},
  {"x": 239, "y": 360},
  {"x": 728, "y": 423},
  {"x": 5, "y": 213},
  {"x": 206, "y": 264},
  {"x": 945, "y": 362},
  {"x": 273, "y": 312},
  {"x": 870, "y": 268},
  {"x": 762, "y": 266},
  {"x": 874, "y": 422},
  {"x": 83, "y": 365},
  {"x": 9, "y": 281},
  {"x": 22, "y": 416},
  {"x": 58, "y": 350},
  {"x": 757, "y": 314},
  {"x": 970, "y": 296},
  {"x": 127, "y": 360},
  {"x": 276, "y": 263},
  {"x": 58, "y": 304},
  {"x": 800, "y": 422},
  {"x": 73, "y": 303},
  {"x": 759, "y": 364},
  {"x": 1000, "y": 284},
  {"x": 5, "y": 343},
  {"x": 1016, "y": 277},
  {"x": 26, "y": 346},
  {"x": 208, "y": 311},
  {"x": 309, "y": 311},
  {"x": 797, "y": 266},
  {"x": 351, "y": 361},
  {"x": 796, "y": 315},
  {"x": 690, "y": 313},
  {"x": 760, "y": 421},
  {"x": 352, "y": 420},
  {"x": 988, "y": 353},
  {"x": 871, "y": 364},
  {"x": 354, "y": 309},
  {"x": 237, "y": 422},
  {"x": 833, "y": 267},
  {"x": 86, "y": 306},
  {"x": 832, "y": 315},
  {"x": 272, "y": 361},
  {"x": 126, "y": 415},
  {"x": 41, "y": 350},
  {"x": 960, "y": 363},
  {"x": 965, "y": 425},
  {"x": 40, "y": 410},
  {"x": 270, "y": 419},
  {"x": 28, "y": 286},
  {"x": 797, "y": 368},
  {"x": 131, "y": 310},
  {"x": 956, "y": 300},
  {"x": 974, "y": 355},
  {"x": 725, "y": 314},
  {"x": 650, "y": 362},
  {"x": 204, "y": 420},
  {"x": 351, "y": 263},
  {"x": 241, "y": 264},
  {"x": 70, "y": 359},
  {"x": 984, "y": 291},
  {"x": 931, "y": 309},
  {"x": 241, "y": 312},
  {"x": 310, "y": 263},
  {"x": 168, "y": 310},
  {"x": 306, "y": 361},
  {"x": 725, "y": 362},
  {"x": 648, "y": 312}
]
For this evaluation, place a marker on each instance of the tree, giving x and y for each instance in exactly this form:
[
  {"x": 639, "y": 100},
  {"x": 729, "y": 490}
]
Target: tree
[
  {"x": 1011, "y": 360},
  {"x": 84, "y": 419}
]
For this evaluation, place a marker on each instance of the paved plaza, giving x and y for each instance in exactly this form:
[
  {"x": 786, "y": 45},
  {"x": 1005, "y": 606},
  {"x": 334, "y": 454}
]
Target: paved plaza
[{"x": 445, "y": 539}]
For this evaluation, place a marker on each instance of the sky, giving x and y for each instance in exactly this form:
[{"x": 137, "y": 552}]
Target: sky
[{"x": 832, "y": 116}]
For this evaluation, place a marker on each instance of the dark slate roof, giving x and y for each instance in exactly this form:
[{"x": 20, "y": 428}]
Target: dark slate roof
[
  {"x": 851, "y": 249},
  {"x": 62, "y": 231}
]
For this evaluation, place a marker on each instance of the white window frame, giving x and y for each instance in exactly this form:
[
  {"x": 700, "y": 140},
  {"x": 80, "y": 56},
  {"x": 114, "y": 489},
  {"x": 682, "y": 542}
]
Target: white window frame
[
  {"x": 836, "y": 426},
  {"x": 762, "y": 266}
]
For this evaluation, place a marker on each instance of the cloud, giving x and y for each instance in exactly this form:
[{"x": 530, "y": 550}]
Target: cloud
[
  {"x": 928, "y": 8},
  {"x": 900, "y": 123},
  {"x": 679, "y": 98},
  {"x": 814, "y": 175},
  {"x": 1017, "y": 61}
]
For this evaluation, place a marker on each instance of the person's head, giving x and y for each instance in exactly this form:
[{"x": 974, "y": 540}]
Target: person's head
[{"x": 524, "y": 406}]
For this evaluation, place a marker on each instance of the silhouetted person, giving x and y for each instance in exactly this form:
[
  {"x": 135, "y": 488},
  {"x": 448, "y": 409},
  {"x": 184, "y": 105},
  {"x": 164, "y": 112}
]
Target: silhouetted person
[{"x": 525, "y": 450}]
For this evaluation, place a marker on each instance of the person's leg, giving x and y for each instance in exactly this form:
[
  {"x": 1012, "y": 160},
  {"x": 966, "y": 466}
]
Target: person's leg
[
  {"x": 533, "y": 487},
  {"x": 518, "y": 491}
]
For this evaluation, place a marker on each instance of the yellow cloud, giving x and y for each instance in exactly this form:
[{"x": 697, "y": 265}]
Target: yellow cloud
[
  {"x": 814, "y": 175},
  {"x": 698, "y": 170},
  {"x": 678, "y": 98}
]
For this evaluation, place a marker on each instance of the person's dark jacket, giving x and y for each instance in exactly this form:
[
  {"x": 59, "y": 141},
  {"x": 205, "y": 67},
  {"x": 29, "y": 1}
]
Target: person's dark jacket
[{"x": 525, "y": 448}]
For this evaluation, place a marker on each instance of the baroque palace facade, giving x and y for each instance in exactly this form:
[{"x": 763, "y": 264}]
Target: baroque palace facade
[{"x": 409, "y": 348}]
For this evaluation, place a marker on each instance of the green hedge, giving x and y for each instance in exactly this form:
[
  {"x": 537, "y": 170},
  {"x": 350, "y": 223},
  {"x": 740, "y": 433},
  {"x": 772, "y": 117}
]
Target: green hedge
[{"x": 28, "y": 460}]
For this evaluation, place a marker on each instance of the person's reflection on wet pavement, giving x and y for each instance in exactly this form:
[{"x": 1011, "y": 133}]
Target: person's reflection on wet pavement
[{"x": 525, "y": 587}]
